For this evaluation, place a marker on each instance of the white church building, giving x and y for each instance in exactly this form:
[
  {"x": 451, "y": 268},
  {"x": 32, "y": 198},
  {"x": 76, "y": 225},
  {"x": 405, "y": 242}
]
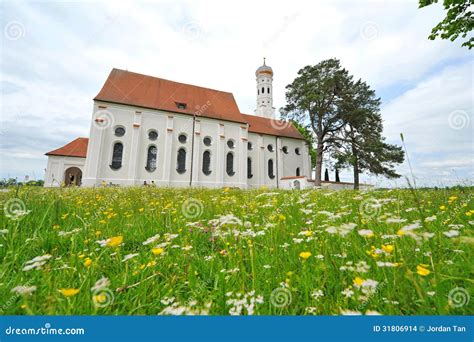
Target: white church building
[{"x": 148, "y": 130}]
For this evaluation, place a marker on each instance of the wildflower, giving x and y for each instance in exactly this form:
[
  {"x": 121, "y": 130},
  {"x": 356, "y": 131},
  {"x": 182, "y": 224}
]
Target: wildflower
[
  {"x": 24, "y": 290},
  {"x": 69, "y": 292},
  {"x": 305, "y": 255},
  {"x": 141, "y": 210},
  {"x": 430, "y": 219},
  {"x": 366, "y": 232},
  {"x": 358, "y": 281},
  {"x": 442, "y": 207},
  {"x": 388, "y": 248},
  {"x": 316, "y": 294},
  {"x": 114, "y": 241},
  {"x": 37, "y": 262},
  {"x": 129, "y": 256},
  {"x": 88, "y": 262},
  {"x": 187, "y": 248},
  {"x": 348, "y": 293},
  {"x": 422, "y": 270},
  {"x": 99, "y": 298},
  {"x": 157, "y": 250},
  {"x": 451, "y": 233},
  {"x": 100, "y": 284},
  {"x": 151, "y": 239}
]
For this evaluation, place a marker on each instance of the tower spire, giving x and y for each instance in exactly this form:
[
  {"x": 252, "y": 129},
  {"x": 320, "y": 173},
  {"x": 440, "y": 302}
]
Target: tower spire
[{"x": 264, "y": 60}]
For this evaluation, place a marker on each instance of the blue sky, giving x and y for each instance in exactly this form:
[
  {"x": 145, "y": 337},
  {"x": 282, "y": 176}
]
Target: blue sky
[{"x": 55, "y": 57}]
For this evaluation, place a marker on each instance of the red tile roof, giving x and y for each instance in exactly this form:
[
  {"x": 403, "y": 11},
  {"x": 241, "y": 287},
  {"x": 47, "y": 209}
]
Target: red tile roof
[
  {"x": 76, "y": 148},
  {"x": 258, "y": 124},
  {"x": 129, "y": 88}
]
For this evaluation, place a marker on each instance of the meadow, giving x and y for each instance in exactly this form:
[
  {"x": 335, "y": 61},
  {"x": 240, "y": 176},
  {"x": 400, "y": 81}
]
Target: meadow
[{"x": 146, "y": 250}]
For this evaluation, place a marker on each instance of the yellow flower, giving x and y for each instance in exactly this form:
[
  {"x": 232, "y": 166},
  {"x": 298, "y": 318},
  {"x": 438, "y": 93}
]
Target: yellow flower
[
  {"x": 157, "y": 251},
  {"x": 281, "y": 217},
  {"x": 88, "y": 262},
  {"x": 305, "y": 255},
  {"x": 400, "y": 232},
  {"x": 358, "y": 281},
  {"x": 56, "y": 226},
  {"x": 141, "y": 210},
  {"x": 308, "y": 233},
  {"x": 388, "y": 248},
  {"x": 421, "y": 270},
  {"x": 100, "y": 298},
  {"x": 115, "y": 241},
  {"x": 443, "y": 207},
  {"x": 69, "y": 292}
]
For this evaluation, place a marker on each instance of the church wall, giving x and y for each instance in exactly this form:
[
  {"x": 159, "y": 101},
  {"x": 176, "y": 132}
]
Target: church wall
[{"x": 57, "y": 165}]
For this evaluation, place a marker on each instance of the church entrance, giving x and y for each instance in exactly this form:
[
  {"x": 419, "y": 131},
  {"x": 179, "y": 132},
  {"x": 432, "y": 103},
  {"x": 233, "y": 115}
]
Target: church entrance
[{"x": 73, "y": 176}]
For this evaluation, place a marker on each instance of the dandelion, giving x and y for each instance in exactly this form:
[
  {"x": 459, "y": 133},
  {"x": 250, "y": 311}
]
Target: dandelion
[
  {"x": 157, "y": 250},
  {"x": 88, "y": 262},
  {"x": 442, "y": 207},
  {"x": 422, "y": 270},
  {"x": 69, "y": 292},
  {"x": 305, "y": 255},
  {"x": 388, "y": 248},
  {"x": 115, "y": 241}
]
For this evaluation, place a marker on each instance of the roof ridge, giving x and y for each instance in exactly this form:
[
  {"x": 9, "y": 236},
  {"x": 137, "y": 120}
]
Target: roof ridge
[{"x": 165, "y": 79}]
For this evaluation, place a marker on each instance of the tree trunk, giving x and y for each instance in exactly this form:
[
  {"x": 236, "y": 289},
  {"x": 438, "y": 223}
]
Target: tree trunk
[
  {"x": 319, "y": 162},
  {"x": 356, "y": 168}
]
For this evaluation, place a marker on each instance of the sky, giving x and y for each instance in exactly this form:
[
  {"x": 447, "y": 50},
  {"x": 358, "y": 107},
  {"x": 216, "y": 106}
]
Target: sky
[{"x": 56, "y": 55}]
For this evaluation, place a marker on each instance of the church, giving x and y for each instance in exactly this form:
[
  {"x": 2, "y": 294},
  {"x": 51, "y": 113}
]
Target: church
[{"x": 151, "y": 131}]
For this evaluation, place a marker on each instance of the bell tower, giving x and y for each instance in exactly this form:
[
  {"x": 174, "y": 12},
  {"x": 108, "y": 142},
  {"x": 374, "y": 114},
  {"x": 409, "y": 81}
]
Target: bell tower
[{"x": 264, "y": 77}]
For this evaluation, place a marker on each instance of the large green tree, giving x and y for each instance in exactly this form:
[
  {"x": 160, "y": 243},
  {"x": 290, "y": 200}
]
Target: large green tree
[
  {"x": 314, "y": 100},
  {"x": 361, "y": 144},
  {"x": 459, "y": 20}
]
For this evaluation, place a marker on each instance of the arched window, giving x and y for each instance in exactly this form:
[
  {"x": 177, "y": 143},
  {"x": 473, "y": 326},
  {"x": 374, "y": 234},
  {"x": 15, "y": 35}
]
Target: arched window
[
  {"x": 268, "y": 90},
  {"x": 117, "y": 156},
  {"x": 151, "y": 159},
  {"x": 298, "y": 171},
  {"x": 206, "y": 163},
  {"x": 249, "y": 168},
  {"x": 285, "y": 149},
  {"x": 181, "y": 162},
  {"x": 230, "y": 164},
  {"x": 271, "y": 174},
  {"x": 249, "y": 146},
  {"x": 297, "y": 151},
  {"x": 263, "y": 90}
]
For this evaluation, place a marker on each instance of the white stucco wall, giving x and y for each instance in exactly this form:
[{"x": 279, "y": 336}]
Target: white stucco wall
[
  {"x": 137, "y": 123},
  {"x": 57, "y": 166}
]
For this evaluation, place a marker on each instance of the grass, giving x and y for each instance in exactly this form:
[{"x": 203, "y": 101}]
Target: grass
[{"x": 231, "y": 251}]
